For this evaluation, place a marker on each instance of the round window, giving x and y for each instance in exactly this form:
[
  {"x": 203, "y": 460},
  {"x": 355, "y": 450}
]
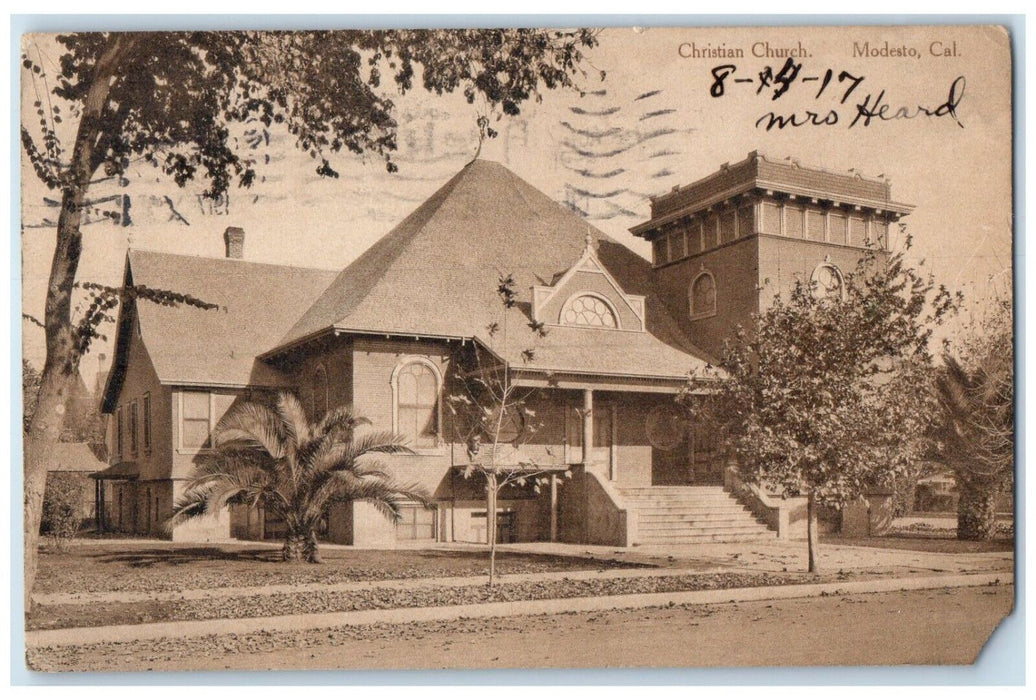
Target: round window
[
  {"x": 509, "y": 428},
  {"x": 827, "y": 282},
  {"x": 665, "y": 427}
]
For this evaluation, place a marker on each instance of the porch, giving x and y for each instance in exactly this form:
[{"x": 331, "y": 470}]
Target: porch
[{"x": 646, "y": 477}]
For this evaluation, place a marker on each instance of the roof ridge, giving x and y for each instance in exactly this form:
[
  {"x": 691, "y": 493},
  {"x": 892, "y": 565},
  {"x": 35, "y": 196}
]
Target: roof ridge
[
  {"x": 151, "y": 251},
  {"x": 435, "y": 202},
  {"x": 408, "y": 230}
]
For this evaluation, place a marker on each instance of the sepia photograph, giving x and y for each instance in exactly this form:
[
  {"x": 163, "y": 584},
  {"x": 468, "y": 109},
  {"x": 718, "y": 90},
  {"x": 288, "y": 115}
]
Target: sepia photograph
[{"x": 516, "y": 347}]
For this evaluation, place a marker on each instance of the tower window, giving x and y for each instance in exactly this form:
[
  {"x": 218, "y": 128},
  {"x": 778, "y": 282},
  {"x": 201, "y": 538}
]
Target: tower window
[
  {"x": 826, "y": 282},
  {"x": 703, "y": 296}
]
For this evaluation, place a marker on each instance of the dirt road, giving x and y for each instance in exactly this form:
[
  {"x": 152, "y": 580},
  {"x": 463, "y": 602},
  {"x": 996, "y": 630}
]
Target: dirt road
[{"x": 945, "y": 626}]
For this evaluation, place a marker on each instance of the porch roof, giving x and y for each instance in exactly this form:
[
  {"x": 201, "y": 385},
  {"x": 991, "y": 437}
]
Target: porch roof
[
  {"x": 510, "y": 458},
  {"x": 123, "y": 471},
  {"x": 605, "y": 352}
]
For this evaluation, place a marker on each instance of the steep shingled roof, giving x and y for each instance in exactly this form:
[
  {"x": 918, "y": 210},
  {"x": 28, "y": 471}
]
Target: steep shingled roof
[
  {"x": 257, "y": 304},
  {"x": 436, "y": 274}
]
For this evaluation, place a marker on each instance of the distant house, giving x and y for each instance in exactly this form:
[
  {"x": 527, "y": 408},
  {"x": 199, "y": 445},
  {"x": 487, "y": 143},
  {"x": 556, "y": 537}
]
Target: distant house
[
  {"x": 623, "y": 335},
  {"x": 81, "y": 450},
  {"x": 77, "y": 461}
]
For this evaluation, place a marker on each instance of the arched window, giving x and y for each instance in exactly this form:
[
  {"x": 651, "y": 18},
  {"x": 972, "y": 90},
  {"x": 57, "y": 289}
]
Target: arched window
[
  {"x": 318, "y": 393},
  {"x": 416, "y": 383},
  {"x": 703, "y": 295},
  {"x": 826, "y": 282},
  {"x": 588, "y": 309}
]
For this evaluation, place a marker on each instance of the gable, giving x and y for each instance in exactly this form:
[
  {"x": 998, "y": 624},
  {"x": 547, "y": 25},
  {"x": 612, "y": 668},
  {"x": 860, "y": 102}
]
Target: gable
[
  {"x": 187, "y": 345},
  {"x": 587, "y": 289}
]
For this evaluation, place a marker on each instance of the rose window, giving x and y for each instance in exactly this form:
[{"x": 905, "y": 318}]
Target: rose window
[{"x": 588, "y": 311}]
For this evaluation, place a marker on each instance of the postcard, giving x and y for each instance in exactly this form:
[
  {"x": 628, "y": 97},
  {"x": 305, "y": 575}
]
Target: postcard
[{"x": 518, "y": 348}]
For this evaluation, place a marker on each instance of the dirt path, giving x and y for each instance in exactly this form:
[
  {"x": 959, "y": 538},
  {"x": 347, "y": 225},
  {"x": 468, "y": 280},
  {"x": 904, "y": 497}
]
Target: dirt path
[{"x": 944, "y": 626}]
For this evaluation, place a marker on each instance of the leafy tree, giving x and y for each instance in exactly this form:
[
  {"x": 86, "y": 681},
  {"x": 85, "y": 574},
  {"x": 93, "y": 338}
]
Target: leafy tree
[
  {"x": 975, "y": 422},
  {"x": 827, "y": 395},
  {"x": 172, "y": 100},
  {"x": 274, "y": 457},
  {"x": 496, "y": 417}
]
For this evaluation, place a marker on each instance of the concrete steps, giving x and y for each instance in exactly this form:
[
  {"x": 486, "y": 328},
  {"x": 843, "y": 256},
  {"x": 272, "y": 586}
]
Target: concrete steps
[{"x": 692, "y": 514}]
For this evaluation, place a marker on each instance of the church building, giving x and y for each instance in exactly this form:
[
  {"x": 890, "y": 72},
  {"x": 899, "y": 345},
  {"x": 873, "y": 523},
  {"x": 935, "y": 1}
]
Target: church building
[{"x": 622, "y": 336}]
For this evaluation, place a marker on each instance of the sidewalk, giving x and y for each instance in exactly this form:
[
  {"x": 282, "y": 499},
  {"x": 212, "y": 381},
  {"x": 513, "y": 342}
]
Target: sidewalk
[{"x": 200, "y": 628}]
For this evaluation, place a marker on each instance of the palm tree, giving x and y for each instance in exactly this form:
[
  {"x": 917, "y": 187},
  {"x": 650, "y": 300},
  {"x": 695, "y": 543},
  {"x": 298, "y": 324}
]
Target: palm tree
[
  {"x": 276, "y": 458},
  {"x": 975, "y": 432}
]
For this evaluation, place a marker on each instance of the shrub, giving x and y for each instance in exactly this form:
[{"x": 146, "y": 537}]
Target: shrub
[{"x": 61, "y": 518}]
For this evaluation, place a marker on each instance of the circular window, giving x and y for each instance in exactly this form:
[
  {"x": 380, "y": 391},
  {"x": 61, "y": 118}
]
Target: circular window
[
  {"x": 665, "y": 427},
  {"x": 511, "y": 426},
  {"x": 827, "y": 282}
]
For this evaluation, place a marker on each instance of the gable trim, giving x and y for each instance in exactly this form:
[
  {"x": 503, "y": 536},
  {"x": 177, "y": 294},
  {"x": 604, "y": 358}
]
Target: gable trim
[
  {"x": 589, "y": 263},
  {"x": 120, "y": 359}
]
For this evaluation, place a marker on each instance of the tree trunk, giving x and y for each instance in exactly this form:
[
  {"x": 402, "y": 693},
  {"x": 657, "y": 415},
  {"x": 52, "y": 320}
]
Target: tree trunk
[
  {"x": 491, "y": 489},
  {"x": 811, "y": 532},
  {"x": 976, "y": 510},
  {"x": 62, "y": 363},
  {"x": 294, "y": 547},
  {"x": 312, "y": 549}
]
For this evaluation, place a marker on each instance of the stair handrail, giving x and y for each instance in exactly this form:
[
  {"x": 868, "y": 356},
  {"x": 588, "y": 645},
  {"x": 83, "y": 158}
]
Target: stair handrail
[{"x": 774, "y": 509}]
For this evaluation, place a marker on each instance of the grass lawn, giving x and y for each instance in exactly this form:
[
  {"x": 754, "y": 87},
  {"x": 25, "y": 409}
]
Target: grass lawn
[
  {"x": 151, "y": 566},
  {"x": 946, "y": 545},
  {"x": 67, "y": 615}
]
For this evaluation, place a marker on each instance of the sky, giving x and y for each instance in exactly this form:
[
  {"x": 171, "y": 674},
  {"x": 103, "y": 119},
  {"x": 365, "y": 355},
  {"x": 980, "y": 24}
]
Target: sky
[{"x": 649, "y": 125}]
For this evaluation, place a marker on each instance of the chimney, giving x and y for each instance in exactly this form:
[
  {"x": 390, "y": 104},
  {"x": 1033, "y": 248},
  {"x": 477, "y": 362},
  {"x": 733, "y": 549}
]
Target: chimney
[
  {"x": 234, "y": 237},
  {"x": 102, "y": 374}
]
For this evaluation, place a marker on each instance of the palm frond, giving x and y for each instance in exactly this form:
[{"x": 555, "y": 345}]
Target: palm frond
[
  {"x": 386, "y": 494},
  {"x": 297, "y": 426},
  {"x": 379, "y": 442},
  {"x": 251, "y": 425},
  {"x": 338, "y": 423},
  {"x": 390, "y": 504},
  {"x": 218, "y": 480},
  {"x": 203, "y": 499}
]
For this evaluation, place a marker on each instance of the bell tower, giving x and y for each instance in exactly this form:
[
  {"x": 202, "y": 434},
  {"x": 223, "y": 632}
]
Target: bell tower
[{"x": 725, "y": 245}]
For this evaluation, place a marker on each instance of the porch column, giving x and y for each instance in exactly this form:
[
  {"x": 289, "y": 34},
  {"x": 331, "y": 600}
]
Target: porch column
[
  {"x": 553, "y": 507},
  {"x": 98, "y": 505},
  {"x": 588, "y": 425}
]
